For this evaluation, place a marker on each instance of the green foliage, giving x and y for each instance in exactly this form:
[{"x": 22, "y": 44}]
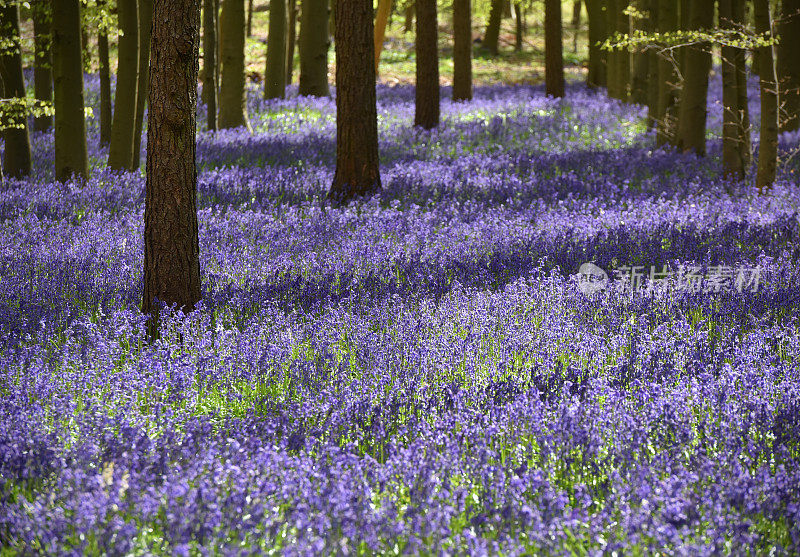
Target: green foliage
[
  {"x": 739, "y": 38},
  {"x": 14, "y": 110}
]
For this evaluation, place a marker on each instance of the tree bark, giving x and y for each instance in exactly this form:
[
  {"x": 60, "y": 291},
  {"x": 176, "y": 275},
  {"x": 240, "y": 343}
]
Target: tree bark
[
  {"x": 612, "y": 57},
  {"x": 788, "y": 50},
  {"x": 641, "y": 61},
  {"x": 553, "y": 49},
  {"x": 249, "y": 18},
  {"x": 427, "y": 91},
  {"x": 694, "y": 97},
  {"x": 357, "y": 171},
  {"x": 596, "y": 76},
  {"x": 291, "y": 41},
  {"x": 42, "y": 61},
  {"x": 734, "y": 142},
  {"x": 145, "y": 29},
  {"x": 381, "y": 19},
  {"x": 623, "y": 27},
  {"x": 123, "y": 126},
  {"x": 171, "y": 247},
  {"x": 105, "y": 87},
  {"x": 462, "y": 50},
  {"x": 232, "y": 101},
  {"x": 668, "y": 78},
  {"x": 519, "y": 26},
  {"x": 491, "y": 38},
  {"x": 768, "y": 85},
  {"x": 210, "y": 62},
  {"x": 314, "y": 45},
  {"x": 275, "y": 72},
  {"x": 409, "y": 15},
  {"x": 70, "y": 126},
  {"x": 17, "y": 145}
]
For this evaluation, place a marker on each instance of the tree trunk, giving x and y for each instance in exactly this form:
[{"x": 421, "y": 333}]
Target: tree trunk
[
  {"x": 577, "y": 6},
  {"x": 652, "y": 71},
  {"x": 171, "y": 247},
  {"x": 612, "y": 70},
  {"x": 596, "y": 76},
  {"x": 462, "y": 50},
  {"x": 553, "y": 50},
  {"x": 694, "y": 97},
  {"x": 768, "y": 85},
  {"x": 427, "y": 99},
  {"x": 668, "y": 78},
  {"x": 409, "y": 24},
  {"x": 290, "y": 41},
  {"x": 86, "y": 47},
  {"x": 519, "y": 28},
  {"x": 733, "y": 130},
  {"x": 641, "y": 61},
  {"x": 145, "y": 28},
  {"x": 70, "y": 124},
  {"x": 123, "y": 126},
  {"x": 314, "y": 45},
  {"x": 623, "y": 56},
  {"x": 789, "y": 63},
  {"x": 249, "y": 18},
  {"x": 42, "y": 61},
  {"x": 105, "y": 87},
  {"x": 381, "y": 19},
  {"x": 232, "y": 101},
  {"x": 491, "y": 39},
  {"x": 685, "y": 24},
  {"x": 210, "y": 62},
  {"x": 357, "y": 171},
  {"x": 17, "y": 145},
  {"x": 275, "y": 72}
]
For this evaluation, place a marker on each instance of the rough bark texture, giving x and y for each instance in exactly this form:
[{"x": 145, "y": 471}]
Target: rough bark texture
[
  {"x": 553, "y": 50},
  {"x": 426, "y": 114},
  {"x": 668, "y": 78},
  {"x": 462, "y": 50},
  {"x": 789, "y": 63},
  {"x": 123, "y": 126},
  {"x": 70, "y": 126},
  {"x": 357, "y": 171},
  {"x": 734, "y": 142},
  {"x": 232, "y": 107},
  {"x": 596, "y": 76},
  {"x": 17, "y": 145},
  {"x": 275, "y": 72},
  {"x": 768, "y": 140},
  {"x": 381, "y": 19},
  {"x": 491, "y": 38},
  {"x": 210, "y": 62},
  {"x": 291, "y": 41},
  {"x": 42, "y": 61},
  {"x": 694, "y": 96},
  {"x": 145, "y": 28},
  {"x": 171, "y": 249},
  {"x": 314, "y": 45}
]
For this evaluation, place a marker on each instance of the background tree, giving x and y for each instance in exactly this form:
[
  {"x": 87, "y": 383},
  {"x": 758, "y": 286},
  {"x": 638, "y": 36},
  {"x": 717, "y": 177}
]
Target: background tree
[
  {"x": 519, "y": 25},
  {"x": 462, "y": 50},
  {"x": 232, "y": 105},
  {"x": 314, "y": 44},
  {"x": 17, "y": 145},
  {"x": 357, "y": 172},
  {"x": 553, "y": 49},
  {"x": 381, "y": 19},
  {"x": 70, "y": 125},
  {"x": 426, "y": 113},
  {"x": 145, "y": 28},
  {"x": 491, "y": 38},
  {"x": 668, "y": 77},
  {"x": 735, "y": 135},
  {"x": 210, "y": 62},
  {"x": 596, "y": 76},
  {"x": 768, "y": 86},
  {"x": 171, "y": 247},
  {"x": 123, "y": 126},
  {"x": 788, "y": 51},
  {"x": 275, "y": 72},
  {"x": 692, "y": 111},
  {"x": 291, "y": 40},
  {"x": 104, "y": 74},
  {"x": 42, "y": 61}
]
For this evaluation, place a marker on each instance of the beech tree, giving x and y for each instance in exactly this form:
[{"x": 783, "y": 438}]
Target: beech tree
[
  {"x": 668, "y": 78},
  {"x": 42, "y": 61},
  {"x": 17, "y": 145},
  {"x": 735, "y": 132},
  {"x": 105, "y": 83},
  {"x": 314, "y": 44},
  {"x": 171, "y": 247},
  {"x": 381, "y": 19},
  {"x": 491, "y": 38},
  {"x": 553, "y": 49},
  {"x": 275, "y": 72},
  {"x": 768, "y": 86},
  {"x": 462, "y": 50},
  {"x": 788, "y": 52},
  {"x": 210, "y": 62},
  {"x": 596, "y": 75},
  {"x": 291, "y": 40},
  {"x": 232, "y": 101},
  {"x": 123, "y": 126},
  {"x": 357, "y": 171},
  {"x": 145, "y": 27},
  {"x": 426, "y": 114}
]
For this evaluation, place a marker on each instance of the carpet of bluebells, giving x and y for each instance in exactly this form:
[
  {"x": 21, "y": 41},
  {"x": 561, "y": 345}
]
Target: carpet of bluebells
[{"x": 420, "y": 372}]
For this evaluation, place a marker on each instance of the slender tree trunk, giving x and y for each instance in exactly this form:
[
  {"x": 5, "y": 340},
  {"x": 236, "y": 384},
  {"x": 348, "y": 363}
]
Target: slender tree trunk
[
  {"x": 357, "y": 171},
  {"x": 70, "y": 125},
  {"x": 275, "y": 72},
  {"x": 290, "y": 41},
  {"x": 210, "y": 62},
  {"x": 427, "y": 101},
  {"x": 171, "y": 247},
  {"x": 596, "y": 76},
  {"x": 314, "y": 45},
  {"x": 577, "y": 6},
  {"x": 694, "y": 97},
  {"x": 624, "y": 55},
  {"x": 684, "y": 11},
  {"x": 105, "y": 87},
  {"x": 668, "y": 78},
  {"x": 17, "y": 145},
  {"x": 789, "y": 63},
  {"x": 145, "y": 28},
  {"x": 381, "y": 19},
  {"x": 733, "y": 130},
  {"x": 519, "y": 27},
  {"x": 553, "y": 49},
  {"x": 42, "y": 61},
  {"x": 218, "y": 65},
  {"x": 641, "y": 62},
  {"x": 491, "y": 38},
  {"x": 768, "y": 140},
  {"x": 232, "y": 100},
  {"x": 123, "y": 126},
  {"x": 462, "y": 50},
  {"x": 612, "y": 58},
  {"x": 249, "y": 18},
  {"x": 409, "y": 15}
]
